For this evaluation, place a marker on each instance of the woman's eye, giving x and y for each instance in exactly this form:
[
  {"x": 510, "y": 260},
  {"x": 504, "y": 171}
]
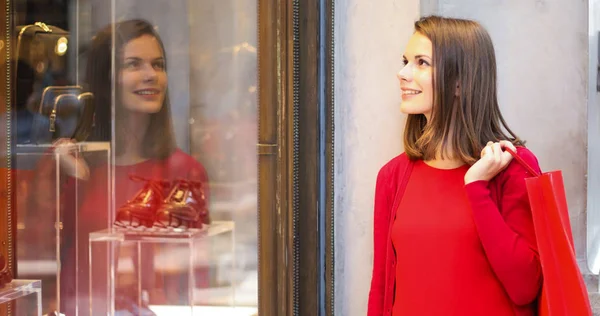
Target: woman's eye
[
  {"x": 132, "y": 64},
  {"x": 159, "y": 65},
  {"x": 423, "y": 62},
  {"x": 405, "y": 62}
]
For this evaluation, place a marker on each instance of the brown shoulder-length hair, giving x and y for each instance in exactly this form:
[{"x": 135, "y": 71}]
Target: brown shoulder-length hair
[
  {"x": 460, "y": 126},
  {"x": 159, "y": 140}
]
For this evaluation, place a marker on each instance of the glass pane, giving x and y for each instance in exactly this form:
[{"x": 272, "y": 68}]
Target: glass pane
[{"x": 136, "y": 168}]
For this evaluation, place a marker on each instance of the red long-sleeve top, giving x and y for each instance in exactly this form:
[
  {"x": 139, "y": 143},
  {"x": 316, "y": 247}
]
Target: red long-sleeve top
[{"x": 502, "y": 219}]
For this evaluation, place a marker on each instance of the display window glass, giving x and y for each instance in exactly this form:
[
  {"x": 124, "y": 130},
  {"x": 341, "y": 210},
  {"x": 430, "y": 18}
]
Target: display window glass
[{"x": 133, "y": 135}]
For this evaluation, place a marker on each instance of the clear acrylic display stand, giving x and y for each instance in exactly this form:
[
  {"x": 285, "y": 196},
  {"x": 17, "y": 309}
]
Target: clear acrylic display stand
[
  {"x": 27, "y": 295},
  {"x": 40, "y": 230},
  {"x": 157, "y": 272}
]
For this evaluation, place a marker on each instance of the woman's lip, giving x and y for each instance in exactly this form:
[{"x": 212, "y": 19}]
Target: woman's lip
[
  {"x": 411, "y": 92},
  {"x": 408, "y": 96},
  {"x": 147, "y": 90},
  {"x": 149, "y": 96}
]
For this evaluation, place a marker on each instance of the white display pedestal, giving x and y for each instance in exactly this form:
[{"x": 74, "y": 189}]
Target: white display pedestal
[
  {"x": 41, "y": 236},
  {"x": 131, "y": 270},
  {"x": 26, "y": 293}
]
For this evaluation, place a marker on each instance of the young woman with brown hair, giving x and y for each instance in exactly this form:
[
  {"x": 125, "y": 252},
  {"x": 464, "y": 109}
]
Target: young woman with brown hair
[{"x": 453, "y": 233}]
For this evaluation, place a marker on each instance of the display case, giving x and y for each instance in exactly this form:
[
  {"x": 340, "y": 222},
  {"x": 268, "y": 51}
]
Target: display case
[
  {"x": 134, "y": 134},
  {"x": 196, "y": 265},
  {"x": 134, "y": 130},
  {"x": 24, "y": 295},
  {"x": 47, "y": 212}
]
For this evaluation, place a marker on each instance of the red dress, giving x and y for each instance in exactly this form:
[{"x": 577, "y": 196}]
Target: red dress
[
  {"x": 441, "y": 265},
  {"x": 501, "y": 215}
]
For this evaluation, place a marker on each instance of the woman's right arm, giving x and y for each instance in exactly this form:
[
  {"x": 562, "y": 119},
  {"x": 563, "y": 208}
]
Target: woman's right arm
[{"x": 380, "y": 235}]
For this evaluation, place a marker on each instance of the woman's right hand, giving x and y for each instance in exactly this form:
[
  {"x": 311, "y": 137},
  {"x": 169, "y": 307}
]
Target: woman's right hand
[
  {"x": 493, "y": 160},
  {"x": 70, "y": 162}
]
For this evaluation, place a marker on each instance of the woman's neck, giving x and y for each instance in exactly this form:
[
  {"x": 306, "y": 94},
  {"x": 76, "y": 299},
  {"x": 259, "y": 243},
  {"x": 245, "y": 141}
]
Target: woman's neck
[
  {"x": 439, "y": 163},
  {"x": 132, "y": 138},
  {"x": 445, "y": 159}
]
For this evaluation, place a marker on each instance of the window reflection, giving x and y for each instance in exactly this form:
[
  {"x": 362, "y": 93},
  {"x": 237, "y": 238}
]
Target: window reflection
[{"x": 157, "y": 146}]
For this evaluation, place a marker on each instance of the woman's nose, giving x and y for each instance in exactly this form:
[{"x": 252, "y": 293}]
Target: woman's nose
[
  {"x": 149, "y": 72},
  {"x": 404, "y": 73}
]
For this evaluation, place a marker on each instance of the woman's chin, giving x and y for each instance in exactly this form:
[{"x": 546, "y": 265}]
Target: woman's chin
[
  {"x": 411, "y": 109},
  {"x": 146, "y": 107}
]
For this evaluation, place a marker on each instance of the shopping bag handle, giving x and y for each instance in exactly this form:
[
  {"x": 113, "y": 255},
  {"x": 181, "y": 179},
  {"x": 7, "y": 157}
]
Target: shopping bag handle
[{"x": 523, "y": 163}]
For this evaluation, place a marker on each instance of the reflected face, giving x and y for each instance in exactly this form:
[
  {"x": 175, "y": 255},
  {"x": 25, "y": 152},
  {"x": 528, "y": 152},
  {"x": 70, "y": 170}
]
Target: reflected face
[
  {"x": 143, "y": 78},
  {"x": 416, "y": 78}
]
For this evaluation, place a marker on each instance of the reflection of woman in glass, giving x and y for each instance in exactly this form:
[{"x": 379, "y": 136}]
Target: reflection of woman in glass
[
  {"x": 453, "y": 233},
  {"x": 156, "y": 184},
  {"x": 144, "y": 134}
]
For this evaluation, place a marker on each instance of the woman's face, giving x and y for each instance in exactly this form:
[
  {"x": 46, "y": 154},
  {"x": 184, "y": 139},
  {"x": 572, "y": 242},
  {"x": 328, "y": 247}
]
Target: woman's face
[
  {"x": 143, "y": 78},
  {"x": 416, "y": 78}
]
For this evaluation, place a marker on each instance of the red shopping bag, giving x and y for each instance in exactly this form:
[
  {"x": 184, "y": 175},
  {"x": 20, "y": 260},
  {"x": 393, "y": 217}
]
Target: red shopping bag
[{"x": 563, "y": 292}]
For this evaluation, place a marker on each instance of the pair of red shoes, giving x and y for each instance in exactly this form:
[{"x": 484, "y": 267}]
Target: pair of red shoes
[{"x": 183, "y": 207}]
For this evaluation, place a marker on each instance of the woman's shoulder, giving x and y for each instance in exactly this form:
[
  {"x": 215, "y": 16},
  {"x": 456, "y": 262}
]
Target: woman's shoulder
[
  {"x": 392, "y": 167},
  {"x": 516, "y": 168},
  {"x": 185, "y": 164},
  {"x": 527, "y": 155},
  {"x": 179, "y": 156}
]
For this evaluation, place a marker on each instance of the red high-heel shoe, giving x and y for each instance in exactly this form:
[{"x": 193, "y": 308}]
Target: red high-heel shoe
[
  {"x": 140, "y": 210},
  {"x": 184, "y": 207}
]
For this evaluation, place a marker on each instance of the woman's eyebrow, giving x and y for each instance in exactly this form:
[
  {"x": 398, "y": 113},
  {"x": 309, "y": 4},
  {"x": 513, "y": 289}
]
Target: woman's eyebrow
[
  {"x": 420, "y": 56},
  {"x": 138, "y": 58},
  {"x": 417, "y": 56}
]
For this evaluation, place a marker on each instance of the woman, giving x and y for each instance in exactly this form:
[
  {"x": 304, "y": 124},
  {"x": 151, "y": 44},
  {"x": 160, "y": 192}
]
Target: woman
[
  {"x": 147, "y": 164},
  {"x": 453, "y": 233}
]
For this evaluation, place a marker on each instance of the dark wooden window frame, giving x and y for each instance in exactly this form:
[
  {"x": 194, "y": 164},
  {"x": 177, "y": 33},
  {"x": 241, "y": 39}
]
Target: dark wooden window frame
[
  {"x": 8, "y": 222},
  {"x": 296, "y": 130}
]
